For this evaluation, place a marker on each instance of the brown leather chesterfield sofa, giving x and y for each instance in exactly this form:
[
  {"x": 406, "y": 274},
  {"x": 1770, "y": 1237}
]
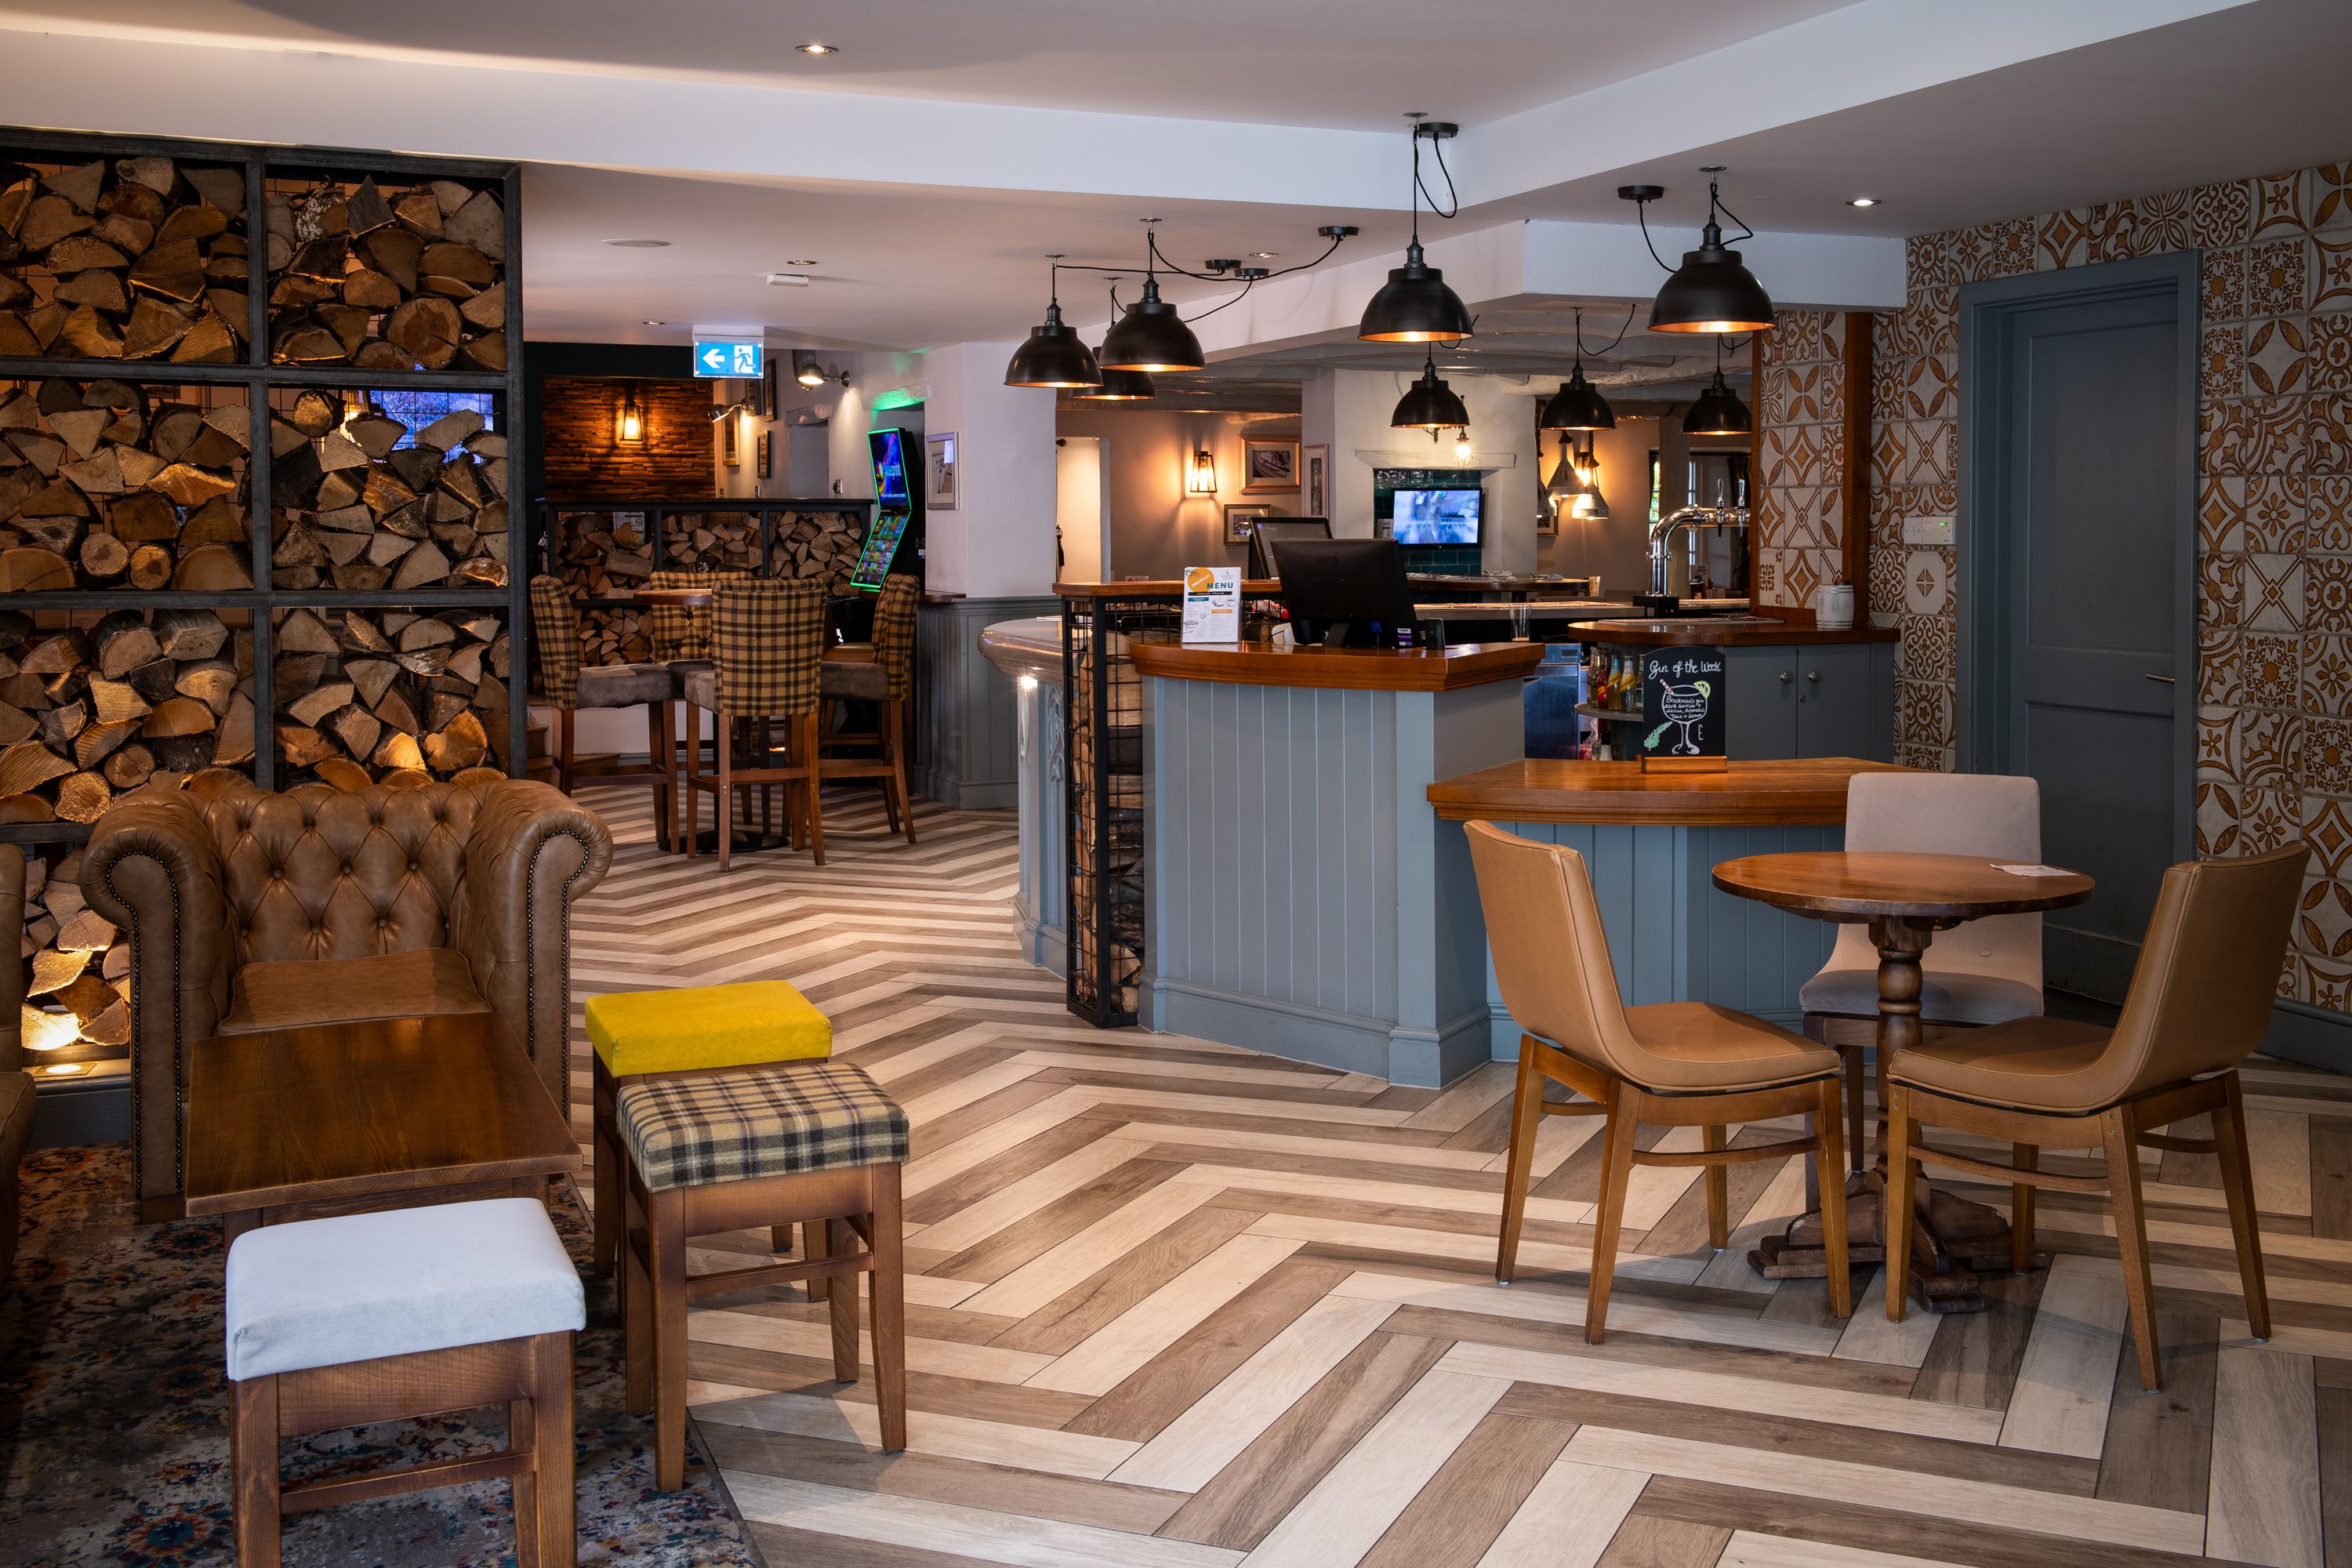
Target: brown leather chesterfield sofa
[{"x": 252, "y": 910}]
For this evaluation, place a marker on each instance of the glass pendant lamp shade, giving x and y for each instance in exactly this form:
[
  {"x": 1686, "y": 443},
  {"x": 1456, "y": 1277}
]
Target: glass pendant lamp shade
[
  {"x": 1591, "y": 506},
  {"x": 1577, "y": 405},
  {"x": 1054, "y": 355},
  {"x": 1429, "y": 405},
  {"x": 1150, "y": 337},
  {"x": 1119, "y": 386},
  {"x": 1711, "y": 291},
  {"x": 1718, "y": 412},
  {"x": 1414, "y": 306}
]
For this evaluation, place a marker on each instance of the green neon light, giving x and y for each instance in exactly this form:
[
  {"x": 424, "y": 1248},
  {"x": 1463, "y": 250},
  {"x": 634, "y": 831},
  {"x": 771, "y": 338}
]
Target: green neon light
[{"x": 901, "y": 398}]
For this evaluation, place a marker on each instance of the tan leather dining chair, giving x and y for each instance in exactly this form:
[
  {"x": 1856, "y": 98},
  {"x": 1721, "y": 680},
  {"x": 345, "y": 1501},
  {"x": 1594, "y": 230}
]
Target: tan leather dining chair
[
  {"x": 1979, "y": 972},
  {"x": 1672, "y": 1064},
  {"x": 2200, "y": 1000}
]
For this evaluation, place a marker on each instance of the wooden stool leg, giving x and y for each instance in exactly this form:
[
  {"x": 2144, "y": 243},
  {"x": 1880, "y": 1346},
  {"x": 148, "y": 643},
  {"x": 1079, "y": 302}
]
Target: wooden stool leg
[
  {"x": 665, "y": 1231},
  {"x": 2238, "y": 1187},
  {"x": 2131, "y": 1241},
  {"x": 636, "y": 1306},
  {"x": 551, "y": 1481},
  {"x": 888, "y": 1287},
  {"x": 842, "y": 1300},
  {"x": 608, "y": 1178},
  {"x": 692, "y": 832},
  {"x": 1855, "y": 1133},
  {"x": 779, "y": 1239},
  {"x": 1718, "y": 1191},
  {"x": 253, "y": 1470},
  {"x": 1616, "y": 1171},
  {"x": 726, "y": 804},
  {"x": 523, "y": 1437},
  {"x": 813, "y": 1246},
  {"x": 563, "y": 760},
  {"x": 2026, "y": 1157},
  {"x": 1527, "y": 1120},
  {"x": 902, "y": 732},
  {"x": 1894, "y": 1204},
  {"x": 1829, "y": 1161},
  {"x": 656, "y": 750},
  {"x": 804, "y": 727}
]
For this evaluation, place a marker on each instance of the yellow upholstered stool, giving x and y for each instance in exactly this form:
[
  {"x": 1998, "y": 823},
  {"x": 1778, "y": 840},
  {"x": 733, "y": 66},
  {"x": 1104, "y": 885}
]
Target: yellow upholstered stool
[{"x": 668, "y": 1034}]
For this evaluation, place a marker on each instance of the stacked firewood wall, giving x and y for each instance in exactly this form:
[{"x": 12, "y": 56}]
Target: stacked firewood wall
[
  {"x": 605, "y": 556},
  {"x": 820, "y": 545},
  {"x": 359, "y": 500},
  {"x": 388, "y": 691},
  {"x": 387, "y": 276}
]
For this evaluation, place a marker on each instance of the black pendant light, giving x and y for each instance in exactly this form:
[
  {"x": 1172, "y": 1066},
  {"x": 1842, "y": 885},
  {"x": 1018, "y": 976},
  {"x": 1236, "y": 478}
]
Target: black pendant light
[
  {"x": 1429, "y": 405},
  {"x": 1414, "y": 306},
  {"x": 1711, "y": 291},
  {"x": 1119, "y": 386},
  {"x": 1151, "y": 336},
  {"x": 1053, "y": 354},
  {"x": 1577, "y": 405},
  {"x": 1719, "y": 411}
]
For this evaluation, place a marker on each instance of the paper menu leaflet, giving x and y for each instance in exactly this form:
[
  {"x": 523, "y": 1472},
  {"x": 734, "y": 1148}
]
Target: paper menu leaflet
[{"x": 1213, "y": 604}]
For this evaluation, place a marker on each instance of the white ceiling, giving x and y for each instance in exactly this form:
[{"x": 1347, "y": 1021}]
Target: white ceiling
[{"x": 928, "y": 166}]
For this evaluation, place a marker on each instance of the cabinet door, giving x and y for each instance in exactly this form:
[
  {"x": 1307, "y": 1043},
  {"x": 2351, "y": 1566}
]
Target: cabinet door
[
  {"x": 1833, "y": 701},
  {"x": 1760, "y": 723}
]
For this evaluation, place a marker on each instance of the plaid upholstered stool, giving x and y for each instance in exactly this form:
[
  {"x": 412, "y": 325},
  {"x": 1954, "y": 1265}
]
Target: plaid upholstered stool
[
  {"x": 713, "y": 1153},
  {"x": 693, "y": 1029}
]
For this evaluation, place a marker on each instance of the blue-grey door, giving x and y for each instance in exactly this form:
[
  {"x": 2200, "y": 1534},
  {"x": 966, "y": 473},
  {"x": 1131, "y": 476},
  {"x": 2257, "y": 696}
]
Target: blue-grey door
[{"x": 2079, "y": 666}]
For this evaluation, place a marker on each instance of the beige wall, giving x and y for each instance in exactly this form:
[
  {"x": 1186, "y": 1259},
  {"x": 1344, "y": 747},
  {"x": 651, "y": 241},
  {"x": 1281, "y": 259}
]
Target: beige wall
[
  {"x": 1156, "y": 529},
  {"x": 1616, "y": 549}
]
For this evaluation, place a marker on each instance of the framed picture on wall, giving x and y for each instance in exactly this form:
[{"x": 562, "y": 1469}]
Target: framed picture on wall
[
  {"x": 1315, "y": 479},
  {"x": 939, "y": 472},
  {"x": 727, "y": 452},
  {"x": 767, "y": 458},
  {"x": 1239, "y": 517},
  {"x": 1269, "y": 464}
]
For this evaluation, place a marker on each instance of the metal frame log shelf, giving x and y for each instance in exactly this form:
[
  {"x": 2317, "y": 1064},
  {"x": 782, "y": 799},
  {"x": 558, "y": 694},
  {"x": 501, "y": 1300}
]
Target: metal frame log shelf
[{"x": 259, "y": 377}]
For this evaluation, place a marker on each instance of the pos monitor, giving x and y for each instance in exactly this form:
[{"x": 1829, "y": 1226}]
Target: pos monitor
[
  {"x": 1268, "y": 531},
  {"x": 1347, "y": 592}
]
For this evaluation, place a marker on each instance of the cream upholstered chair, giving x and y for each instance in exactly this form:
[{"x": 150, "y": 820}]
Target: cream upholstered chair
[
  {"x": 1985, "y": 972},
  {"x": 1671, "y": 1064},
  {"x": 2200, "y": 1001}
]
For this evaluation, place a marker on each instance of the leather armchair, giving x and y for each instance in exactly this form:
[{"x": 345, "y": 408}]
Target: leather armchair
[
  {"x": 253, "y": 911},
  {"x": 15, "y": 1085}
]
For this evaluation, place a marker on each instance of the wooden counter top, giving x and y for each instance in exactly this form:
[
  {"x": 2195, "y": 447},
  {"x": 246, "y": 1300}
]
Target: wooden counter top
[
  {"x": 1345, "y": 668},
  {"x": 1809, "y": 791},
  {"x": 1737, "y": 634}
]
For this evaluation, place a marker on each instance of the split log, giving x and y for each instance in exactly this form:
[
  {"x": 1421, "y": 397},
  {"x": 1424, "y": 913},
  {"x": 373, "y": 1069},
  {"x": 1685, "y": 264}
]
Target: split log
[{"x": 117, "y": 260}]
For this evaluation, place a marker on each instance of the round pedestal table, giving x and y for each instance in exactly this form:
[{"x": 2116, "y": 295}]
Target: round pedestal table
[{"x": 1904, "y": 900}]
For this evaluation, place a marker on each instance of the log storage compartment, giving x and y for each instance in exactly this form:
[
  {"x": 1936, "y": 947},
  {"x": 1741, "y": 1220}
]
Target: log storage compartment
[
  {"x": 361, "y": 502},
  {"x": 379, "y": 690},
  {"x": 387, "y": 275}
]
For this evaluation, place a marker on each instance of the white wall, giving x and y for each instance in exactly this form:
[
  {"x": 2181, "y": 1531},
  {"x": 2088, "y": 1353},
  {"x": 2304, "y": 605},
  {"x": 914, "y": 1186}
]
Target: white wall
[
  {"x": 999, "y": 541},
  {"x": 1349, "y": 409}
]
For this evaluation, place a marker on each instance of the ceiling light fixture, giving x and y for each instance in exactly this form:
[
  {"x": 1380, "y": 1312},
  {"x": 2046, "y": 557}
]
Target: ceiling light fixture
[
  {"x": 1150, "y": 336},
  {"x": 1862, "y": 202},
  {"x": 640, "y": 244},
  {"x": 1429, "y": 403},
  {"x": 1591, "y": 506},
  {"x": 652, "y": 324},
  {"x": 1263, "y": 254},
  {"x": 1578, "y": 405},
  {"x": 1053, "y": 354},
  {"x": 1719, "y": 411},
  {"x": 1414, "y": 306},
  {"x": 1711, "y": 291},
  {"x": 1462, "y": 447},
  {"x": 1119, "y": 386},
  {"x": 800, "y": 261},
  {"x": 814, "y": 47}
]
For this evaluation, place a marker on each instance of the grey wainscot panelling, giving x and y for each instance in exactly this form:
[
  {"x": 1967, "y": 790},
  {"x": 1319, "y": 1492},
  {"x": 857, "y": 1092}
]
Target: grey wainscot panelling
[
  {"x": 966, "y": 748},
  {"x": 1037, "y": 907}
]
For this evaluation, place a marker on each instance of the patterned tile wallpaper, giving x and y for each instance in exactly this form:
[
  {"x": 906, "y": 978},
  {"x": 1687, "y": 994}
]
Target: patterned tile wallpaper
[
  {"x": 2274, "y": 699},
  {"x": 1799, "y": 499}
]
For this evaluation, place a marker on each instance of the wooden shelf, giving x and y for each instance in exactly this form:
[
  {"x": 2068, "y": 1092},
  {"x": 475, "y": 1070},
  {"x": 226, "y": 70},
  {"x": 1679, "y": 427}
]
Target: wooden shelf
[
  {"x": 1800, "y": 792},
  {"x": 1611, "y": 715}
]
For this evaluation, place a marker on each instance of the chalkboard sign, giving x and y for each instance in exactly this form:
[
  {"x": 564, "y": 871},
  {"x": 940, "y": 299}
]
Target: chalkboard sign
[{"x": 1682, "y": 709}]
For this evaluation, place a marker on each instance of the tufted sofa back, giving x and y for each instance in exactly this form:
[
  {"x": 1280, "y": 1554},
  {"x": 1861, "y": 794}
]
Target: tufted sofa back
[{"x": 318, "y": 872}]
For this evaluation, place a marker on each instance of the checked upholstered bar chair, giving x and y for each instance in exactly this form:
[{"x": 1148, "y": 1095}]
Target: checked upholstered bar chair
[
  {"x": 767, "y": 641},
  {"x": 561, "y": 681},
  {"x": 1670, "y": 1064},
  {"x": 887, "y": 681},
  {"x": 2200, "y": 1001},
  {"x": 254, "y": 911}
]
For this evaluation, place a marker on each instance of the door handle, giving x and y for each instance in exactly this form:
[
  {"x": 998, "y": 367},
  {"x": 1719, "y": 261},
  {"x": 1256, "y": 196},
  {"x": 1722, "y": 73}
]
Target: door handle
[
  {"x": 1814, "y": 675},
  {"x": 1786, "y": 677},
  {"x": 2167, "y": 680}
]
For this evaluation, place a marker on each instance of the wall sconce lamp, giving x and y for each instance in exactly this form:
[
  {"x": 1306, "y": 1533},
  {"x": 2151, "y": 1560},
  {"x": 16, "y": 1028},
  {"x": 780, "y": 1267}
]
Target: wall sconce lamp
[
  {"x": 1200, "y": 474},
  {"x": 630, "y": 424}
]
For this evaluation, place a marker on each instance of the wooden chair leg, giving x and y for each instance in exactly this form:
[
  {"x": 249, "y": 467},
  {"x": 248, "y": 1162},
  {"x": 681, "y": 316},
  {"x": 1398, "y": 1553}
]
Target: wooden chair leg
[
  {"x": 893, "y": 724},
  {"x": 607, "y": 1173},
  {"x": 1526, "y": 1121},
  {"x": 1616, "y": 1171},
  {"x": 253, "y": 1470},
  {"x": 1854, "y": 1064},
  {"x": 780, "y": 1239},
  {"x": 1829, "y": 1160},
  {"x": 1894, "y": 1204},
  {"x": 841, "y": 1303},
  {"x": 552, "y": 1479},
  {"x": 692, "y": 832},
  {"x": 2238, "y": 1186},
  {"x": 813, "y": 1239},
  {"x": 886, "y": 1291},
  {"x": 2025, "y": 1157},
  {"x": 726, "y": 804},
  {"x": 563, "y": 757},
  {"x": 656, "y": 716},
  {"x": 666, "y": 1236},
  {"x": 804, "y": 728},
  {"x": 2131, "y": 1240},
  {"x": 524, "y": 1437},
  {"x": 1719, "y": 1190}
]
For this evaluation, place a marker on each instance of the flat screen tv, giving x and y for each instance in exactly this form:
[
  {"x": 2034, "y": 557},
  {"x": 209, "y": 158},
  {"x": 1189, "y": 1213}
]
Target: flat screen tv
[
  {"x": 889, "y": 449},
  {"x": 1436, "y": 516}
]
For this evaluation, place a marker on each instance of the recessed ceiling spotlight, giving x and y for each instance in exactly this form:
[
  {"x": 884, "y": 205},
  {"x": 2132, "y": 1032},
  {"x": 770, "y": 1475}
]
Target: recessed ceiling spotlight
[
  {"x": 1862, "y": 202},
  {"x": 652, "y": 324},
  {"x": 800, "y": 261},
  {"x": 816, "y": 48},
  {"x": 639, "y": 243},
  {"x": 1263, "y": 254}
]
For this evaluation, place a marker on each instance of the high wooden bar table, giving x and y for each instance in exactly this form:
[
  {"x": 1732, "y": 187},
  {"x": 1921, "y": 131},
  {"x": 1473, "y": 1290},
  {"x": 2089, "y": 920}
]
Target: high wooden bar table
[{"x": 1653, "y": 841}]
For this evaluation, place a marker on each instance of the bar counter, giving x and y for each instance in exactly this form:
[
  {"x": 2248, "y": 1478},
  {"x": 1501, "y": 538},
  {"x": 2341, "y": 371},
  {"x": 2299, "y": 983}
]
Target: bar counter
[{"x": 1800, "y": 792}]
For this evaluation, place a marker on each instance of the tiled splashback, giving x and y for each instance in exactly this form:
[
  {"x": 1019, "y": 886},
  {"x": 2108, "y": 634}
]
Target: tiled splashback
[{"x": 2274, "y": 506}]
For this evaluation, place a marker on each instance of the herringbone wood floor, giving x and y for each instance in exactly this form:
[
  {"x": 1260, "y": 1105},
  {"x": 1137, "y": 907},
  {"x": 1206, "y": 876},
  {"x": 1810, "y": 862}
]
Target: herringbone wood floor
[{"x": 1180, "y": 1306}]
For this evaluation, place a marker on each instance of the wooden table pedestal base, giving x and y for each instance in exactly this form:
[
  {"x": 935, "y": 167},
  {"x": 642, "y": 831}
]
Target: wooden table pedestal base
[{"x": 1951, "y": 1240}]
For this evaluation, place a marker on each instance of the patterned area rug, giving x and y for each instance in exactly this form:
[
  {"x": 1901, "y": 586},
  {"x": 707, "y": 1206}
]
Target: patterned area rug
[{"x": 113, "y": 1415}]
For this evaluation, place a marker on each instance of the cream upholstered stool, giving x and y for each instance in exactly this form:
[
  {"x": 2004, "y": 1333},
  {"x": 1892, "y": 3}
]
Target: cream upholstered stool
[
  {"x": 719, "y": 1152},
  {"x": 697, "y": 1029},
  {"x": 394, "y": 1314}
]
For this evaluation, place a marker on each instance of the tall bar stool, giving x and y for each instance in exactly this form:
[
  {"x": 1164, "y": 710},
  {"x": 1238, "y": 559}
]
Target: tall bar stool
[
  {"x": 680, "y": 634},
  {"x": 560, "y": 681},
  {"x": 1983, "y": 971},
  {"x": 888, "y": 681},
  {"x": 767, "y": 641},
  {"x": 1671, "y": 1064},
  {"x": 2200, "y": 1000},
  {"x": 771, "y": 1146},
  {"x": 389, "y": 1316}
]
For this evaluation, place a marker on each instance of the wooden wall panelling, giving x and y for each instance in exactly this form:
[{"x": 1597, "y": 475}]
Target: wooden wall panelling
[{"x": 584, "y": 459}]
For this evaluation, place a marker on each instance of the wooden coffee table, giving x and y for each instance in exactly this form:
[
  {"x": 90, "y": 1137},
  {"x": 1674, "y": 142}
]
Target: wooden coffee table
[
  {"x": 1904, "y": 900},
  {"x": 295, "y": 1123}
]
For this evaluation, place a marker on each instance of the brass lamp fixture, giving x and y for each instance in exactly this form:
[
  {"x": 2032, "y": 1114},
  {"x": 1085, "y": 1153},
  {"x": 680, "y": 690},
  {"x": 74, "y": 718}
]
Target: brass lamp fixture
[
  {"x": 1200, "y": 474},
  {"x": 629, "y": 425}
]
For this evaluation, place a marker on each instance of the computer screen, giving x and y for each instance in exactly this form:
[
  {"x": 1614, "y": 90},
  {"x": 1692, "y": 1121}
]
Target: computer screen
[
  {"x": 880, "y": 549},
  {"x": 1267, "y": 532},
  {"x": 1355, "y": 587},
  {"x": 1436, "y": 517},
  {"x": 889, "y": 449}
]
